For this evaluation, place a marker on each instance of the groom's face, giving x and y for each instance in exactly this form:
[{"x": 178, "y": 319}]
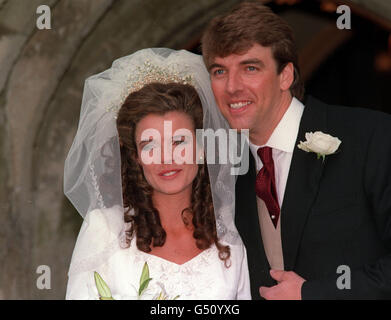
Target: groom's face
[{"x": 247, "y": 88}]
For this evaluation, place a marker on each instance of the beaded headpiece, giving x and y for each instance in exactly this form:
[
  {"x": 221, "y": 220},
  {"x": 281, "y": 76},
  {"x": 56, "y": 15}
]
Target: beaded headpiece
[{"x": 150, "y": 73}]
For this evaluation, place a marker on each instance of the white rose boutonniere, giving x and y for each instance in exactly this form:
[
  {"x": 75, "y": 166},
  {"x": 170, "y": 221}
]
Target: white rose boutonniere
[{"x": 320, "y": 143}]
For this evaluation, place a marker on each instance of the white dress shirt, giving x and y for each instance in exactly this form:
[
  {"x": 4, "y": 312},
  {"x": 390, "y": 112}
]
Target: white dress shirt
[{"x": 282, "y": 141}]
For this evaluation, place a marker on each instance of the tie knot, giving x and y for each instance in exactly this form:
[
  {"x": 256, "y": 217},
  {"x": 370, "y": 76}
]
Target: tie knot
[{"x": 265, "y": 153}]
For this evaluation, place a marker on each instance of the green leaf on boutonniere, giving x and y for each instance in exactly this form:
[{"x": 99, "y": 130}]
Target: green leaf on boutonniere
[
  {"x": 103, "y": 289},
  {"x": 323, "y": 156},
  {"x": 144, "y": 279}
]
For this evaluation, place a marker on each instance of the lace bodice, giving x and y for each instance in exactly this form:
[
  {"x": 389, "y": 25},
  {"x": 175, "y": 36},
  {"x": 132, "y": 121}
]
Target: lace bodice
[{"x": 203, "y": 277}]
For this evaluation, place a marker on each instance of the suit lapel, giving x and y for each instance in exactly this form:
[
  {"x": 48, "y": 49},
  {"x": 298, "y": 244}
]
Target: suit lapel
[{"x": 302, "y": 186}]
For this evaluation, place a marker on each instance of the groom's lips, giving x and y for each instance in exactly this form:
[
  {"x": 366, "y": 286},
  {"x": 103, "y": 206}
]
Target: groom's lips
[{"x": 236, "y": 107}]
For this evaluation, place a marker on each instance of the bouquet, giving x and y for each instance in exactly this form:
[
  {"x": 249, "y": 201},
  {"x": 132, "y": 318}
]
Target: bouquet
[{"x": 105, "y": 292}]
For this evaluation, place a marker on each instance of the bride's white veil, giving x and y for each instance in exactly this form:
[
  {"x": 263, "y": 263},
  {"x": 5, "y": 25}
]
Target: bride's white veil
[{"x": 92, "y": 173}]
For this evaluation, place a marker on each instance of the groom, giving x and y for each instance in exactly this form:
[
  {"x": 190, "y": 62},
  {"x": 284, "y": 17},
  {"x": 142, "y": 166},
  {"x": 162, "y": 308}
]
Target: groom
[{"x": 315, "y": 227}]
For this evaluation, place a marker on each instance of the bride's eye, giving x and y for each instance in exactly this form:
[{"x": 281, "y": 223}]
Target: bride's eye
[
  {"x": 179, "y": 140},
  {"x": 149, "y": 146}
]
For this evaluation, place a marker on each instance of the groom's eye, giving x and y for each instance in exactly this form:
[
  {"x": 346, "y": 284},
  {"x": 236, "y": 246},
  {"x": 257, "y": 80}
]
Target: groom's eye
[
  {"x": 251, "y": 68},
  {"x": 218, "y": 72}
]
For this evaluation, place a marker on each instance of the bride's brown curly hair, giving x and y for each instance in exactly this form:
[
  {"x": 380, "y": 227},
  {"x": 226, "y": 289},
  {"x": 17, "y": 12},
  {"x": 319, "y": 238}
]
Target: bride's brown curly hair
[{"x": 158, "y": 98}]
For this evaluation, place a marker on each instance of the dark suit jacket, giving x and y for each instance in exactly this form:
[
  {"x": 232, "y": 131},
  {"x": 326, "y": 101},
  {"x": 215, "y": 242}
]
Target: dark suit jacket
[{"x": 334, "y": 213}]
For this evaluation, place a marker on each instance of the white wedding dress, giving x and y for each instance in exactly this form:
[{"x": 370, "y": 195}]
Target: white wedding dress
[{"x": 203, "y": 277}]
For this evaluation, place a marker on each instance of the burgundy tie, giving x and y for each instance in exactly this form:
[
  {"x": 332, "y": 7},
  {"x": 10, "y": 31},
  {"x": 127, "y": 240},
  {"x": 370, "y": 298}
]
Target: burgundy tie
[{"x": 265, "y": 184}]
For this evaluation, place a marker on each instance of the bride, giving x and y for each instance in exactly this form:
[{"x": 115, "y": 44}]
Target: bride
[{"x": 136, "y": 173}]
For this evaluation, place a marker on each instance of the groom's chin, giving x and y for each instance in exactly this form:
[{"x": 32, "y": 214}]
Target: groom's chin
[{"x": 242, "y": 130}]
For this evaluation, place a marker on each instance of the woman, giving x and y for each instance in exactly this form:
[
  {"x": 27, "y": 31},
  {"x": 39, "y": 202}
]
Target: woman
[{"x": 135, "y": 176}]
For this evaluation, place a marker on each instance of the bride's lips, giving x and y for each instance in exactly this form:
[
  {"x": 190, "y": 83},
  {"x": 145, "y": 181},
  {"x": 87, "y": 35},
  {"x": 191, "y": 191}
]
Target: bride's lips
[
  {"x": 236, "y": 107},
  {"x": 169, "y": 174}
]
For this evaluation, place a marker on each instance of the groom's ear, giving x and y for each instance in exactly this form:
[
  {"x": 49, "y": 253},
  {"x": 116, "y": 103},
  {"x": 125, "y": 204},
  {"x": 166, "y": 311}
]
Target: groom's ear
[{"x": 286, "y": 77}]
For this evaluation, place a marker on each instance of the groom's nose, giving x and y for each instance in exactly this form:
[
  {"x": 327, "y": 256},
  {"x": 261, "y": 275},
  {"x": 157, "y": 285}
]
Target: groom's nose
[{"x": 233, "y": 83}]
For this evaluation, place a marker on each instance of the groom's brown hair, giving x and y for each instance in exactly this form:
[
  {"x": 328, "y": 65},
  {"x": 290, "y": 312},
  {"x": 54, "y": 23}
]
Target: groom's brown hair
[{"x": 249, "y": 23}]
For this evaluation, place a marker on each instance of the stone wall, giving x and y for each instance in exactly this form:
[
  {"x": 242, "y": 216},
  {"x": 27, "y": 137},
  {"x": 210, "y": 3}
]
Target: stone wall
[{"x": 41, "y": 82}]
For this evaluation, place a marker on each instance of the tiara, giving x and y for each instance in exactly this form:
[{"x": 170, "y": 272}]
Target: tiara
[{"x": 150, "y": 73}]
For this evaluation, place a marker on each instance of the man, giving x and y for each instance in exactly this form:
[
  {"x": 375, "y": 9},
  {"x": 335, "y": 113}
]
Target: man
[{"x": 315, "y": 227}]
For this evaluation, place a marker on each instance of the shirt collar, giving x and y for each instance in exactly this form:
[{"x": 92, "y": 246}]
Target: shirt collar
[{"x": 284, "y": 135}]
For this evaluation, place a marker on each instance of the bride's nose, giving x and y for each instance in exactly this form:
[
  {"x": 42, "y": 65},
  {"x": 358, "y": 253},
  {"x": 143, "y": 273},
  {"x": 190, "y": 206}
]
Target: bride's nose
[{"x": 167, "y": 152}]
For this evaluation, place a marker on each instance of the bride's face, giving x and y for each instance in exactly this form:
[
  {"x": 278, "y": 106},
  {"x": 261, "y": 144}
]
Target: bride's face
[{"x": 166, "y": 148}]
